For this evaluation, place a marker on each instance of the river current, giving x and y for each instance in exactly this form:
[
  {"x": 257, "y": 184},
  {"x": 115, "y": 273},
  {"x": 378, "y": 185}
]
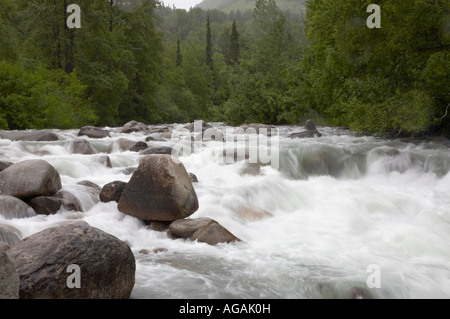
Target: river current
[{"x": 342, "y": 212}]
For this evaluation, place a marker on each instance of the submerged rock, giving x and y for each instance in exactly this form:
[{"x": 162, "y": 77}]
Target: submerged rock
[
  {"x": 81, "y": 146},
  {"x": 30, "y": 178},
  {"x": 9, "y": 235},
  {"x": 120, "y": 145},
  {"x": 253, "y": 214},
  {"x": 160, "y": 190},
  {"x": 105, "y": 265},
  {"x": 13, "y": 207}
]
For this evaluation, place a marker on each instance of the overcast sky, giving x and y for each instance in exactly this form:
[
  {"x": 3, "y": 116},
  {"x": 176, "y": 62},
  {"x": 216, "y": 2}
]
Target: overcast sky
[{"x": 181, "y": 4}]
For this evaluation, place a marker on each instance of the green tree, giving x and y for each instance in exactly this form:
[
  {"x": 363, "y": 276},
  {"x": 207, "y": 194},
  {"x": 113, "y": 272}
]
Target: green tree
[{"x": 234, "y": 44}]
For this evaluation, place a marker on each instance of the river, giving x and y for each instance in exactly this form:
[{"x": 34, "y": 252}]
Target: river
[{"x": 346, "y": 211}]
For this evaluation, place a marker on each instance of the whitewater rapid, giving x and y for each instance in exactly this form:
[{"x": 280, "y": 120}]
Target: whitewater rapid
[{"x": 340, "y": 205}]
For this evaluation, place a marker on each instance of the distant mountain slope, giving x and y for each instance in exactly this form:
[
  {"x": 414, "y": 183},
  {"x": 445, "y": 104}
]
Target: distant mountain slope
[{"x": 242, "y": 5}]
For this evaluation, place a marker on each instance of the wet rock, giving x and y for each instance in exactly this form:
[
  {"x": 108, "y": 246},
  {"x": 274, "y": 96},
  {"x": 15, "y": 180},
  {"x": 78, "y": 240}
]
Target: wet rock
[
  {"x": 311, "y": 131},
  {"x": 250, "y": 169},
  {"x": 9, "y": 279},
  {"x": 3, "y": 248},
  {"x": 69, "y": 201},
  {"x": 9, "y": 235},
  {"x": 138, "y": 146},
  {"x": 38, "y": 137},
  {"x": 157, "y": 150},
  {"x": 185, "y": 228},
  {"x": 252, "y": 214},
  {"x": 112, "y": 191},
  {"x": 90, "y": 184},
  {"x": 12, "y": 207},
  {"x": 159, "y": 190},
  {"x": 158, "y": 226},
  {"x": 106, "y": 265},
  {"x": 81, "y": 146},
  {"x": 193, "y": 178},
  {"x": 46, "y": 205},
  {"x": 105, "y": 160},
  {"x": 157, "y": 129},
  {"x": 214, "y": 234},
  {"x": 134, "y": 126},
  {"x": 4, "y": 165},
  {"x": 360, "y": 293},
  {"x": 120, "y": 145},
  {"x": 93, "y": 132},
  {"x": 29, "y": 179}
]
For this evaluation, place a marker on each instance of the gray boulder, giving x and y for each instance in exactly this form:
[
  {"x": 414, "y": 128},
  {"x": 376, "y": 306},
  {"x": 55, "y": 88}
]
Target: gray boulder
[
  {"x": 93, "y": 132},
  {"x": 138, "y": 146},
  {"x": 29, "y": 179},
  {"x": 73, "y": 260},
  {"x": 9, "y": 279},
  {"x": 157, "y": 150},
  {"x": 13, "y": 207},
  {"x": 160, "y": 190},
  {"x": 134, "y": 126},
  {"x": 38, "y": 136},
  {"x": 9, "y": 235},
  {"x": 4, "y": 165},
  {"x": 81, "y": 146}
]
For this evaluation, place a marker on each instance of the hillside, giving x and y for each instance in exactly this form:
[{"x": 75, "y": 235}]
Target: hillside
[{"x": 242, "y": 5}]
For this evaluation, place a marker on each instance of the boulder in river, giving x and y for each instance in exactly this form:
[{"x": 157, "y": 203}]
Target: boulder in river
[
  {"x": 81, "y": 146},
  {"x": 112, "y": 191},
  {"x": 9, "y": 279},
  {"x": 9, "y": 235},
  {"x": 29, "y": 179},
  {"x": 202, "y": 229},
  {"x": 198, "y": 126},
  {"x": 134, "y": 126},
  {"x": 13, "y": 207},
  {"x": 120, "y": 145},
  {"x": 311, "y": 131},
  {"x": 157, "y": 150},
  {"x": 138, "y": 146},
  {"x": 160, "y": 190},
  {"x": 253, "y": 214},
  {"x": 73, "y": 260},
  {"x": 38, "y": 136},
  {"x": 46, "y": 205},
  {"x": 93, "y": 132}
]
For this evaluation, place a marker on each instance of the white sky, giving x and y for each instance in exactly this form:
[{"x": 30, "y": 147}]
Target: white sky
[{"x": 181, "y": 4}]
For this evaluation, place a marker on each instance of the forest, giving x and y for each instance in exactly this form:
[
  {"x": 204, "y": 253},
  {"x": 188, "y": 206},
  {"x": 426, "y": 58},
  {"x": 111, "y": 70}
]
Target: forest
[{"x": 139, "y": 60}]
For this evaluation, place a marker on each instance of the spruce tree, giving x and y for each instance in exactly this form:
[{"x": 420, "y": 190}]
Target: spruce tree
[
  {"x": 234, "y": 45},
  {"x": 179, "y": 62},
  {"x": 209, "y": 59}
]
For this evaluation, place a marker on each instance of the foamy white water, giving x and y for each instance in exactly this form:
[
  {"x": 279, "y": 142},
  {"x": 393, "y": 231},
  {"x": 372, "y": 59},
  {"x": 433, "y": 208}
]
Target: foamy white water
[{"x": 339, "y": 204}]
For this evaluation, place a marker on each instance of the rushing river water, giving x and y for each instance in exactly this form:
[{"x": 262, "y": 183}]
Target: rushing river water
[{"x": 345, "y": 211}]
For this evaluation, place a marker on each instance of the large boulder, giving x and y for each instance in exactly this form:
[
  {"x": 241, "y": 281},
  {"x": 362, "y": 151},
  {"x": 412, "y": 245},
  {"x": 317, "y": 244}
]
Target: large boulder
[
  {"x": 93, "y": 132},
  {"x": 29, "y": 179},
  {"x": 311, "y": 131},
  {"x": 134, "y": 126},
  {"x": 81, "y": 146},
  {"x": 9, "y": 235},
  {"x": 74, "y": 260},
  {"x": 185, "y": 228},
  {"x": 112, "y": 191},
  {"x": 9, "y": 279},
  {"x": 160, "y": 190},
  {"x": 12, "y": 207},
  {"x": 46, "y": 205},
  {"x": 38, "y": 136}
]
